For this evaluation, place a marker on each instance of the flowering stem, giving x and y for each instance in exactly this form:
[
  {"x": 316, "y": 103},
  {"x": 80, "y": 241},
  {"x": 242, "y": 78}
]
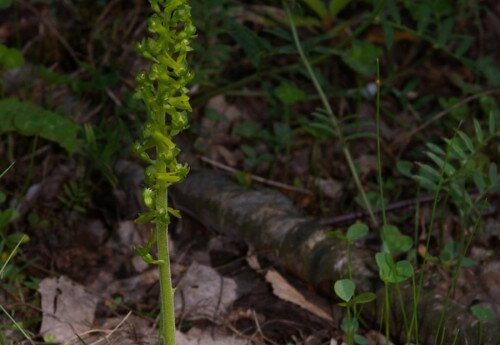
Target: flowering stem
[{"x": 163, "y": 90}]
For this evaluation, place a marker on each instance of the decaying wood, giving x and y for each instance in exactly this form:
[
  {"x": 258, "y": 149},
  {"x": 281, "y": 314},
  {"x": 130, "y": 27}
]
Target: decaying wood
[{"x": 269, "y": 222}]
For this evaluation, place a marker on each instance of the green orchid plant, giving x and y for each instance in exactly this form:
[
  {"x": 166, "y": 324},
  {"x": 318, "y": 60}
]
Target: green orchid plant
[{"x": 163, "y": 90}]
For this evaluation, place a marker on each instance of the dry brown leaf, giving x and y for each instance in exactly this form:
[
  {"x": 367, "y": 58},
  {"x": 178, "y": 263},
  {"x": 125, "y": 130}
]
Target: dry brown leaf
[
  {"x": 283, "y": 290},
  {"x": 329, "y": 187},
  {"x": 367, "y": 164},
  {"x": 253, "y": 262},
  {"x": 204, "y": 294},
  {"x": 67, "y": 308},
  {"x": 376, "y": 338}
]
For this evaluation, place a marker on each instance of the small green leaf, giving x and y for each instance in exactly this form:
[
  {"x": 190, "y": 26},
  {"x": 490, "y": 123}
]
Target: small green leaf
[
  {"x": 482, "y": 313},
  {"x": 48, "y": 338},
  {"x": 365, "y": 297},
  {"x": 145, "y": 217},
  {"x": 247, "y": 130},
  {"x": 336, "y": 6},
  {"x": 344, "y": 288},
  {"x": 360, "y": 135},
  {"x": 455, "y": 149},
  {"x": 395, "y": 242},
  {"x": 464, "y": 45},
  {"x": 243, "y": 178},
  {"x": 491, "y": 123},
  {"x": 214, "y": 115},
  {"x": 362, "y": 57},
  {"x": 404, "y": 270},
  {"x": 321, "y": 129},
  {"x": 489, "y": 69},
  {"x": 467, "y": 262},
  {"x": 393, "y": 10},
  {"x": 17, "y": 237},
  {"x": 318, "y": 7},
  {"x": 448, "y": 168},
  {"x": 391, "y": 272},
  {"x": 254, "y": 46},
  {"x": 144, "y": 251},
  {"x": 405, "y": 168},
  {"x": 3, "y": 197},
  {"x": 458, "y": 190},
  {"x": 429, "y": 172},
  {"x": 425, "y": 183},
  {"x": 174, "y": 212},
  {"x": 148, "y": 258},
  {"x": 445, "y": 30},
  {"x": 289, "y": 93},
  {"x": 479, "y": 131},
  {"x": 7, "y": 216},
  {"x": 349, "y": 325},
  {"x": 337, "y": 234},
  {"x": 435, "y": 149},
  {"x": 10, "y": 57},
  {"x": 360, "y": 340},
  {"x": 479, "y": 182},
  {"x": 450, "y": 251},
  {"x": 385, "y": 264},
  {"x": 467, "y": 141},
  {"x": 29, "y": 119},
  {"x": 357, "y": 231},
  {"x": 388, "y": 34},
  {"x": 283, "y": 134}
]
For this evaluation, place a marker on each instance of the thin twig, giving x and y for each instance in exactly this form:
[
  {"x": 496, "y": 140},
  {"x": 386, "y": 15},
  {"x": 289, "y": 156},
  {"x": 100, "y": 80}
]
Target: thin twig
[
  {"x": 408, "y": 203},
  {"x": 254, "y": 177},
  {"x": 114, "y": 329},
  {"x": 397, "y": 205}
]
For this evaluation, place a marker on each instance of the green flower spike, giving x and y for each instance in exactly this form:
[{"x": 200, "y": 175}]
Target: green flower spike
[{"x": 163, "y": 90}]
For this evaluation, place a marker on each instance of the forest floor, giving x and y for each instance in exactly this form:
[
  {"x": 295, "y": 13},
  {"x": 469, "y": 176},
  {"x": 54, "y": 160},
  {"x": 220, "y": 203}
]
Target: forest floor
[{"x": 72, "y": 194}]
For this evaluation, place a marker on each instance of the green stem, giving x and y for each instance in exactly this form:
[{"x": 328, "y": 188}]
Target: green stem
[
  {"x": 414, "y": 317},
  {"x": 349, "y": 269},
  {"x": 379, "y": 158},
  {"x": 349, "y": 327},
  {"x": 17, "y": 325},
  {"x": 167, "y": 326},
  {"x": 163, "y": 90},
  {"x": 387, "y": 313},
  {"x": 431, "y": 223},
  {"x": 359, "y": 186},
  {"x": 335, "y": 123},
  {"x": 480, "y": 340},
  {"x": 403, "y": 309}
]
